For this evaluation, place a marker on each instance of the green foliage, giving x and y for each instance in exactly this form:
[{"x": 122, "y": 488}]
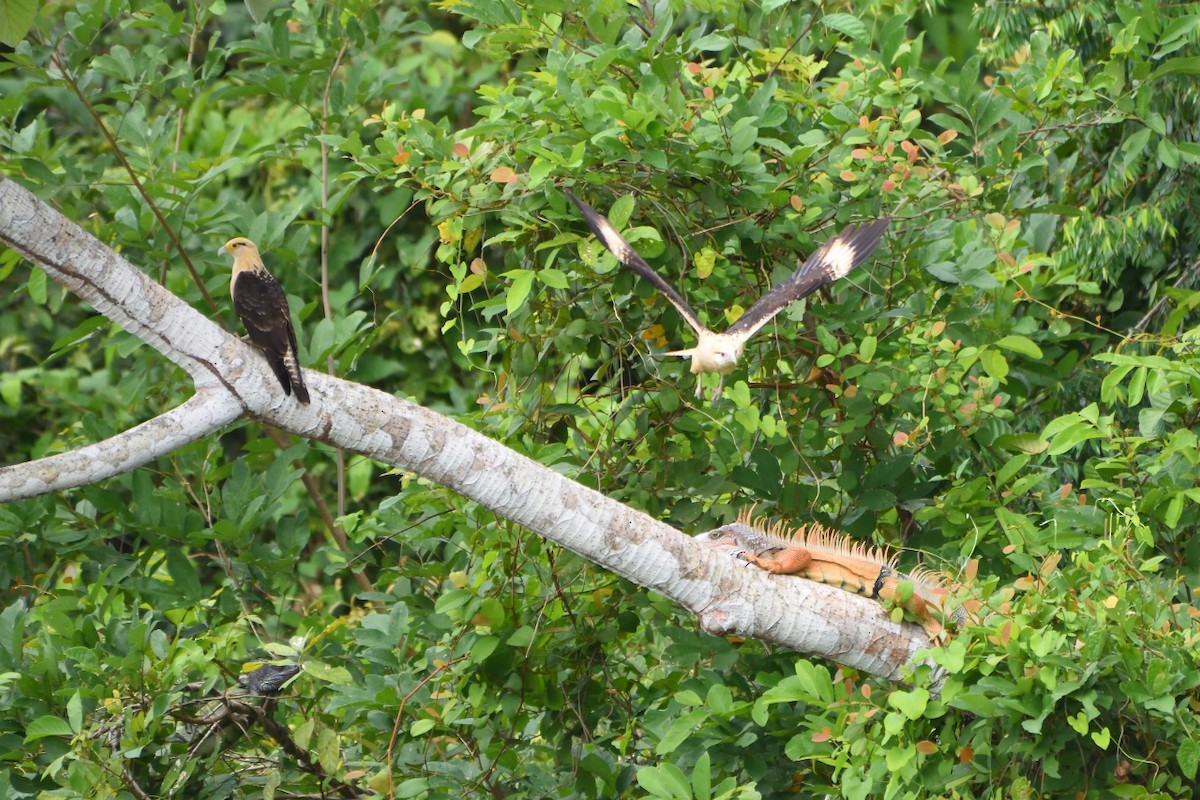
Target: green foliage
[
  {"x": 969, "y": 394},
  {"x": 1079, "y": 678}
]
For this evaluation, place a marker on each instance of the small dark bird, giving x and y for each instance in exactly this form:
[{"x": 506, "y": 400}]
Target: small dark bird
[
  {"x": 719, "y": 352},
  {"x": 259, "y": 301}
]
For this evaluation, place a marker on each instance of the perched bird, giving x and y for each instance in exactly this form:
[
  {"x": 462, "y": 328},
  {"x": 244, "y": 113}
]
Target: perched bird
[
  {"x": 259, "y": 301},
  {"x": 719, "y": 352}
]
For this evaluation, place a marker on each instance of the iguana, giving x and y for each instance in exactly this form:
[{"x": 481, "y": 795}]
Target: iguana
[{"x": 825, "y": 556}]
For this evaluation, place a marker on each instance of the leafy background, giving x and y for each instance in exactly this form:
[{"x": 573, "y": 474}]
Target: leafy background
[{"x": 1006, "y": 391}]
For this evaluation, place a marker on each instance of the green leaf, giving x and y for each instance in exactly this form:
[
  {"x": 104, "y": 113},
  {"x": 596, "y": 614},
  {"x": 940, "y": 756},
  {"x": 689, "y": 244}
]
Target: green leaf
[
  {"x": 1022, "y": 345},
  {"x": 521, "y": 637},
  {"x": 81, "y": 332},
  {"x": 16, "y": 18},
  {"x": 452, "y": 600},
  {"x": 665, "y": 781},
  {"x": 681, "y": 729},
  {"x": 47, "y": 726},
  {"x": 1108, "y": 386},
  {"x": 1134, "y": 145},
  {"x": 518, "y": 290},
  {"x": 846, "y": 23},
  {"x": 994, "y": 364},
  {"x": 473, "y": 37},
  {"x": 1189, "y": 151},
  {"x": 484, "y": 647},
  {"x": 702, "y": 777},
  {"x": 816, "y": 681},
  {"x": 37, "y": 285},
  {"x": 75, "y": 712},
  {"x": 1072, "y": 436},
  {"x": 555, "y": 279},
  {"x": 650, "y": 779},
  {"x": 421, "y": 727},
  {"x": 1011, "y": 467},
  {"x": 866, "y": 348},
  {"x": 713, "y": 42},
  {"x": 1187, "y": 66},
  {"x": 621, "y": 211},
  {"x": 327, "y": 673},
  {"x": 1029, "y": 443},
  {"x": 10, "y": 389},
  {"x": 910, "y": 704},
  {"x": 183, "y": 574},
  {"x": 720, "y": 699},
  {"x": 1174, "y": 510},
  {"x": 470, "y": 283},
  {"x": 1168, "y": 153},
  {"x": 1188, "y": 756}
]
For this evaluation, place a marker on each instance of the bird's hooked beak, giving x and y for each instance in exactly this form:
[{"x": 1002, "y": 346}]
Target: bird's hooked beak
[{"x": 221, "y": 251}]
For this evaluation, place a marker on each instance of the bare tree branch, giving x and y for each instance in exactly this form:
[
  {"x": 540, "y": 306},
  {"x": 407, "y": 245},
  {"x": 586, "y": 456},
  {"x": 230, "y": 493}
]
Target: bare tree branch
[
  {"x": 725, "y": 595},
  {"x": 203, "y": 414}
]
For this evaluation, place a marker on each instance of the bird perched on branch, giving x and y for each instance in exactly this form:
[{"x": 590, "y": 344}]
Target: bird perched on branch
[
  {"x": 259, "y": 301},
  {"x": 719, "y": 352}
]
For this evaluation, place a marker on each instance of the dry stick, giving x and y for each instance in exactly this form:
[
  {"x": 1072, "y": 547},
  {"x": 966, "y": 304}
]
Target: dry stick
[
  {"x": 283, "y": 735},
  {"x": 339, "y": 454},
  {"x": 314, "y": 491},
  {"x": 400, "y": 714},
  {"x": 137, "y": 184},
  {"x": 179, "y": 118},
  {"x": 310, "y": 483},
  {"x": 1187, "y": 275},
  {"x": 775, "y": 68}
]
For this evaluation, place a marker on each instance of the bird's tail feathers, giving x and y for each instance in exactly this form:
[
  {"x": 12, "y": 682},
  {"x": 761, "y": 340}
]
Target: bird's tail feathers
[
  {"x": 682, "y": 353},
  {"x": 295, "y": 376},
  {"x": 287, "y": 370}
]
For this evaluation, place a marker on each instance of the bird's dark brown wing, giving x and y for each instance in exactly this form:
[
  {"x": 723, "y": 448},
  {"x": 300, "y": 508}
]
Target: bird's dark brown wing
[
  {"x": 837, "y": 258},
  {"x": 616, "y": 244},
  {"x": 259, "y": 301}
]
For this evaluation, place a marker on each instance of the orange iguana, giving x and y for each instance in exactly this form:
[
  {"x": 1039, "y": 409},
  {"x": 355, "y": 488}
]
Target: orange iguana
[{"x": 824, "y": 556}]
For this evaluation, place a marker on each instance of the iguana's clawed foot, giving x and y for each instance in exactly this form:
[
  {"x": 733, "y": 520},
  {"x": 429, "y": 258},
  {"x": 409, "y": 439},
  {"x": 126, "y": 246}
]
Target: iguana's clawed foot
[{"x": 787, "y": 561}]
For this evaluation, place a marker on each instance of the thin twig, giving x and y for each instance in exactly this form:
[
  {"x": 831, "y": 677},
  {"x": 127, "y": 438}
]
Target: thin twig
[
  {"x": 400, "y": 714},
  {"x": 1188, "y": 275},
  {"x": 314, "y": 491},
  {"x": 330, "y": 364},
  {"x": 137, "y": 184}
]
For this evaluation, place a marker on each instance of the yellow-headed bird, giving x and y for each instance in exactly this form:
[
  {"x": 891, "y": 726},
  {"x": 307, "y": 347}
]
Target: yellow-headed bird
[{"x": 259, "y": 301}]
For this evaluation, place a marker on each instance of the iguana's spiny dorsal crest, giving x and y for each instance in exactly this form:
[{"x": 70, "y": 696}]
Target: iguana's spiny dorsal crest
[{"x": 820, "y": 554}]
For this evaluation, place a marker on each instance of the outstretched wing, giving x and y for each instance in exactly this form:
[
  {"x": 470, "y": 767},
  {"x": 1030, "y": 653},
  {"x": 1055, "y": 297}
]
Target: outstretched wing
[
  {"x": 616, "y": 244},
  {"x": 837, "y": 258}
]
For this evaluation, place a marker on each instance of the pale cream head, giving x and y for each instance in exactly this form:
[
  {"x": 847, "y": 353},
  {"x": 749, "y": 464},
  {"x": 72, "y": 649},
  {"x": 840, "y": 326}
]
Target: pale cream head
[{"x": 238, "y": 246}]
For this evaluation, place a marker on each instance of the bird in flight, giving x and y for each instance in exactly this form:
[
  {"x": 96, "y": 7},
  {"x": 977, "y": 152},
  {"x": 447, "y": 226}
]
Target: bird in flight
[
  {"x": 719, "y": 352},
  {"x": 259, "y": 301}
]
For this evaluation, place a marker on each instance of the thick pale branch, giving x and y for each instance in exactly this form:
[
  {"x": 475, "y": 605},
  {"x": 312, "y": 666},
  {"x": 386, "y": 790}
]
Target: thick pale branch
[
  {"x": 727, "y": 596},
  {"x": 201, "y": 415}
]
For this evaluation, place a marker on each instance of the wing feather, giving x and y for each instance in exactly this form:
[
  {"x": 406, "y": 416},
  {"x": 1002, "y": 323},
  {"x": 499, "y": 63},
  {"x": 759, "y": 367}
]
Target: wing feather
[
  {"x": 835, "y": 259},
  {"x": 616, "y": 244},
  {"x": 262, "y": 306}
]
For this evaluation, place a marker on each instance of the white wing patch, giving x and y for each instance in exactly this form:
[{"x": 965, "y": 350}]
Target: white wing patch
[
  {"x": 719, "y": 352},
  {"x": 840, "y": 259}
]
